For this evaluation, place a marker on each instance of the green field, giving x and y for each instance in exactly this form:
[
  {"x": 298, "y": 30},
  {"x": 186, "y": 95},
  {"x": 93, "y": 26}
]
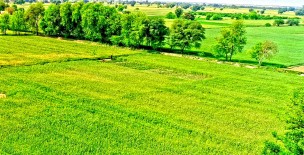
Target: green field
[
  {"x": 139, "y": 104},
  {"x": 288, "y": 39}
]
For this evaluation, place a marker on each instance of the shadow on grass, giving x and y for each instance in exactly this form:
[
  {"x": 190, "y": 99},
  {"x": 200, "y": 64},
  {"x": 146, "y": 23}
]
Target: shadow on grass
[{"x": 266, "y": 64}]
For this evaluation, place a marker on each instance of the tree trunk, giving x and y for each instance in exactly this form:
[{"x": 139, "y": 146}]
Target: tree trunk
[{"x": 226, "y": 56}]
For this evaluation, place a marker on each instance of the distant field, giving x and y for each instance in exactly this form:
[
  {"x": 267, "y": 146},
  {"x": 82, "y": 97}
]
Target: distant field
[
  {"x": 288, "y": 39},
  {"x": 139, "y": 104}
]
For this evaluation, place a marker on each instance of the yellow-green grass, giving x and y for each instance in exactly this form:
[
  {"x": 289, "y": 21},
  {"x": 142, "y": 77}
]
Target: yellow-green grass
[
  {"x": 152, "y": 10},
  {"x": 228, "y": 21},
  {"x": 27, "y": 50},
  {"x": 140, "y": 104}
]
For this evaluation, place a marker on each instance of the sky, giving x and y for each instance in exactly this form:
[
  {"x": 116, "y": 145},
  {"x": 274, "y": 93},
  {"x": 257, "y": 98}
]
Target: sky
[{"x": 255, "y": 2}]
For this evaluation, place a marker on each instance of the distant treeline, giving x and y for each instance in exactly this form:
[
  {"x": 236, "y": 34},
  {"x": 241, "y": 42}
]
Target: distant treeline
[
  {"x": 96, "y": 22},
  {"x": 251, "y": 15}
]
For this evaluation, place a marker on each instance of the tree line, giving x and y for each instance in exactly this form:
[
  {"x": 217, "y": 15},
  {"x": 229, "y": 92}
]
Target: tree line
[
  {"x": 96, "y": 22},
  {"x": 105, "y": 24}
]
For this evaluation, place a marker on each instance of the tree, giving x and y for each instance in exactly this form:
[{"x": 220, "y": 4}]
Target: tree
[
  {"x": 4, "y": 22},
  {"x": 278, "y": 22},
  {"x": 50, "y": 23},
  {"x": 232, "y": 40},
  {"x": 33, "y": 15},
  {"x": 132, "y": 3},
  {"x": 292, "y": 22},
  {"x": 196, "y": 7},
  {"x": 66, "y": 19},
  {"x": 264, "y": 50},
  {"x": 292, "y": 142},
  {"x": 186, "y": 34},
  {"x": 2, "y": 5},
  {"x": 178, "y": 12},
  {"x": 156, "y": 33},
  {"x": 19, "y": 2},
  {"x": 76, "y": 20},
  {"x": 171, "y": 15},
  {"x": 100, "y": 22},
  {"x": 134, "y": 28},
  {"x": 189, "y": 16},
  {"x": 18, "y": 23}
]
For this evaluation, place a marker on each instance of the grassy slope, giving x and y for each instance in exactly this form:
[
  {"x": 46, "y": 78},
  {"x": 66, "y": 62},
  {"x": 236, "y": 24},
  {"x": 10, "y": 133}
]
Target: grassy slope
[
  {"x": 142, "y": 104},
  {"x": 22, "y": 50}
]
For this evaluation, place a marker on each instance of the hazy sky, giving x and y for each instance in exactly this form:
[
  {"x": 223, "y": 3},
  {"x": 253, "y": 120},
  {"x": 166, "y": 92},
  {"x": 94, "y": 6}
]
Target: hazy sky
[{"x": 258, "y": 2}]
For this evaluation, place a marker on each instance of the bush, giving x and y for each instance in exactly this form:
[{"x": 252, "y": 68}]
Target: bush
[
  {"x": 208, "y": 16},
  {"x": 292, "y": 22},
  {"x": 216, "y": 17},
  {"x": 278, "y": 22},
  {"x": 171, "y": 15},
  {"x": 268, "y": 25}
]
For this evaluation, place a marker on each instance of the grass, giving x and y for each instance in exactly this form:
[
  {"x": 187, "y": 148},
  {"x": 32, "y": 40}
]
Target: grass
[
  {"x": 288, "y": 40},
  {"x": 139, "y": 104},
  {"x": 22, "y": 50}
]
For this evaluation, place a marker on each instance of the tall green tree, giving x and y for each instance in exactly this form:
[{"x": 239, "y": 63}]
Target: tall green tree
[
  {"x": 156, "y": 33},
  {"x": 187, "y": 34},
  {"x": 134, "y": 27},
  {"x": 50, "y": 23},
  {"x": 18, "y": 23},
  {"x": 179, "y": 12},
  {"x": 100, "y": 22},
  {"x": 232, "y": 40},
  {"x": 66, "y": 19},
  {"x": 4, "y": 22},
  {"x": 33, "y": 15},
  {"x": 264, "y": 50},
  {"x": 76, "y": 20}
]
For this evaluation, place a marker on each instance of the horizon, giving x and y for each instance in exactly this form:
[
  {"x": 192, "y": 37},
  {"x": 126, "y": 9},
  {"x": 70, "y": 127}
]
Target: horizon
[{"x": 296, "y": 3}]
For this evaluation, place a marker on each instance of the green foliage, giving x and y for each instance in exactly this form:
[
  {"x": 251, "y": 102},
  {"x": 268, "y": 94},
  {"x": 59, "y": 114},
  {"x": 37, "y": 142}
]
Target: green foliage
[
  {"x": 2, "y": 5},
  {"x": 232, "y": 40},
  {"x": 18, "y": 23},
  {"x": 268, "y": 25},
  {"x": 292, "y": 142},
  {"x": 300, "y": 12},
  {"x": 33, "y": 15},
  {"x": 264, "y": 50},
  {"x": 76, "y": 20},
  {"x": 189, "y": 16},
  {"x": 216, "y": 17},
  {"x": 170, "y": 15},
  {"x": 4, "y": 22},
  {"x": 197, "y": 7},
  {"x": 278, "y": 22},
  {"x": 66, "y": 23},
  {"x": 179, "y": 12},
  {"x": 186, "y": 34},
  {"x": 292, "y": 22},
  {"x": 99, "y": 22},
  {"x": 50, "y": 23},
  {"x": 134, "y": 26},
  {"x": 156, "y": 32},
  {"x": 20, "y": 2}
]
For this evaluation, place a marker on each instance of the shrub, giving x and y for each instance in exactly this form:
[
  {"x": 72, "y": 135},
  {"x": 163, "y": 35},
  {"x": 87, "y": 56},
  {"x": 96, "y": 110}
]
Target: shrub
[
  {"x": 171, "y": 15},
  {"x": 268, "y": 25}
]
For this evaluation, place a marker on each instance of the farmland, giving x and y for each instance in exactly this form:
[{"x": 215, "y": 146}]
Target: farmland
[{"x": 69, "y": 95}]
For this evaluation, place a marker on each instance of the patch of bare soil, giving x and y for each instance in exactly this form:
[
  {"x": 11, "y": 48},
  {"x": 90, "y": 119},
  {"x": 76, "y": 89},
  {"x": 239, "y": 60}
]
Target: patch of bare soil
[{"x": 297, "y": 69}]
